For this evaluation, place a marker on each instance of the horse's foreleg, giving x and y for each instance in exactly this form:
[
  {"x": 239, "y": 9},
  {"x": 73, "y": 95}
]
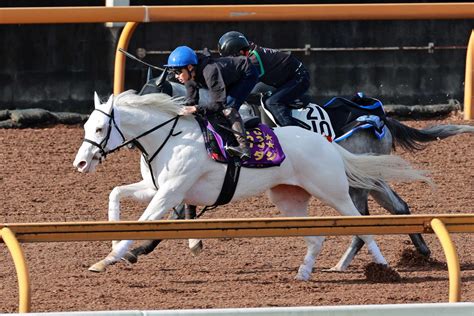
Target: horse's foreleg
[
  {"x": 195, "y": 245},
  {"x": 119, "y": 250},
  {"x": 149, "y": 245},
  {"x": 139, "y": 191},
  {"x": 144, "y": 248},
  {"x": 162, "y": 201},
  {"x": 393, "y": 203}
]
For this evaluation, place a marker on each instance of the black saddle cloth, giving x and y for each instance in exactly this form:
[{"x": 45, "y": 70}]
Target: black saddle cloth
[{"x": 347, "y": 114}]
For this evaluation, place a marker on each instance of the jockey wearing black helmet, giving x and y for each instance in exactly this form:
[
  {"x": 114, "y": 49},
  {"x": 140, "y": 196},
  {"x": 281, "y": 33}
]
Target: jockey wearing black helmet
[
  {"x": 231, "y": 43},
  {"x": 229, "y": 80},
  {"x": 277, "y": 69}
]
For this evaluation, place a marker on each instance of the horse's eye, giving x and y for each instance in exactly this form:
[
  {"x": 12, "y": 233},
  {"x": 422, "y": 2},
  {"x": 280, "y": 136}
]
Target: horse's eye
[{"x": 98, "y": 130}]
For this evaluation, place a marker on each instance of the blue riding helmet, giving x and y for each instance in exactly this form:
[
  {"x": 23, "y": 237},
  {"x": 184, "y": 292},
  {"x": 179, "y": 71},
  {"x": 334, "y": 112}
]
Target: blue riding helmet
[{"x": 181, "y": 57}]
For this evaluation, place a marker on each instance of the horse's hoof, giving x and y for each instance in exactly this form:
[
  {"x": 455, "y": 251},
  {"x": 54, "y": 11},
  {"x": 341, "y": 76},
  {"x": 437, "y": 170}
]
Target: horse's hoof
[
  {"x": 97, "y": 267},
  {"x": 195, "y": 245},
  {"x": 130, "y": 257},
  {"x": 424, "y": 251},
  {"x": 300, "y": 277},
  {"x": 303, "y": 274}
]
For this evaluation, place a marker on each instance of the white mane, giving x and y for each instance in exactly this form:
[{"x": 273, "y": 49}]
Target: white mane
[{"x": 152, "y": 101}]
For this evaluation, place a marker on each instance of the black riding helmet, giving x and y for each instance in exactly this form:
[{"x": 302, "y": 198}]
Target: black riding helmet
[{"x": 231, "y": 43}]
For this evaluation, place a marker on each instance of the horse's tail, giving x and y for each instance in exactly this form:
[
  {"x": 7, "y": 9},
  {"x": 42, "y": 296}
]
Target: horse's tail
[
  {"x": 370, "y": 171},
  {"x": 411, "y": 139}
]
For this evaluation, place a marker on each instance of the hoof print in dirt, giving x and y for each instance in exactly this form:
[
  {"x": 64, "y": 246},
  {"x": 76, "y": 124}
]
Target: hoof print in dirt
[{"x": 381, "y": 273}]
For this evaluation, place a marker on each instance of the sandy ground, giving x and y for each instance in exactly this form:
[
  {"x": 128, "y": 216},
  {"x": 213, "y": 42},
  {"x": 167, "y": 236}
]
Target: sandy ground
[{"x": 39, "y": 184}]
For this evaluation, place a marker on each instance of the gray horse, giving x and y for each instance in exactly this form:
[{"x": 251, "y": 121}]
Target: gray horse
[{"x": 361, "y": 142}]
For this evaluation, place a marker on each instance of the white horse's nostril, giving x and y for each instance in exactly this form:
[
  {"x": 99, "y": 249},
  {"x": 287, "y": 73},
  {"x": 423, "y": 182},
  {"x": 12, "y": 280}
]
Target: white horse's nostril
[{"x": 81, "y": 164}]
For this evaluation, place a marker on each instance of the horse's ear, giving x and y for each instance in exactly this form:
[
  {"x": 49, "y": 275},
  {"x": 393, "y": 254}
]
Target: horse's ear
[
  {"x": 96, "y": 99},
  {"x": 109, "y": 104},
  {"x": 161, "y": 80}
]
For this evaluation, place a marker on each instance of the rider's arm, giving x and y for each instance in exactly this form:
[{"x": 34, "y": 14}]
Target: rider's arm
[
  {"x": 192, "y": 92},
  {"x": 216, "y": 85}
]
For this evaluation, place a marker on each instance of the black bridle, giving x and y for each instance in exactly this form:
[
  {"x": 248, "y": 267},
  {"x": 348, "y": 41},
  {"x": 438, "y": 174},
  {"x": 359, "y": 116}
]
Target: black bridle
[{"x": 103, "y": 144}]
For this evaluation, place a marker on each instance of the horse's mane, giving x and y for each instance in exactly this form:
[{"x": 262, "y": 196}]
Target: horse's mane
[{"x": 153, "y": 101}]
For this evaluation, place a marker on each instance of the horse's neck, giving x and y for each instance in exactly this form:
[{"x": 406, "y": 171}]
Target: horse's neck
[{"x": 136, "y": 121}]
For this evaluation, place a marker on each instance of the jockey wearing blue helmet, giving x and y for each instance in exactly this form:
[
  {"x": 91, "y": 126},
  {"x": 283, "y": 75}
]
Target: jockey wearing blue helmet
[
  {"x": 181, "y": 57},
  {"x": 229, "y": 81}
]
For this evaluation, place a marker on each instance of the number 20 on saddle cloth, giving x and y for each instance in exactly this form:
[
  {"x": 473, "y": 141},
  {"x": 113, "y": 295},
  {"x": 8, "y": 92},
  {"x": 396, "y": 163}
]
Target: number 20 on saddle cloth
[{"x": 263, "y": 143}]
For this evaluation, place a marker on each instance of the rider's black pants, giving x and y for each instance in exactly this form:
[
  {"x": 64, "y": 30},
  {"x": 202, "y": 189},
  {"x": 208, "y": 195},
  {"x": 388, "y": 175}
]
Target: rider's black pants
[
  {"x": 238, "y": 92},
  {"x": 279, "y": 103}
]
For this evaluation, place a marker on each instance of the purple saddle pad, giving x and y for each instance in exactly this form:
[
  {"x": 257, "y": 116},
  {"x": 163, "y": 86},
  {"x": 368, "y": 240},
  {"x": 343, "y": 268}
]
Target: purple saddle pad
[{"x": 264, "y": 147}]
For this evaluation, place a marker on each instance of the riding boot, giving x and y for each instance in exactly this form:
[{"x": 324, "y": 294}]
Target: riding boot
[{"x": 242, "y": 151}]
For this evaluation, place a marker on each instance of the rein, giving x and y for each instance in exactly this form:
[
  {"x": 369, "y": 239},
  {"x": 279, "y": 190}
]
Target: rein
[
  {"x": 134, "y": 140},
  {"x": 142, "y": 149}
]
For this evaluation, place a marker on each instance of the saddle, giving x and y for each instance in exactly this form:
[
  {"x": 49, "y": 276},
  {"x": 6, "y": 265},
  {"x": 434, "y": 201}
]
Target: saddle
[
  {"x": 361, "y": 112},
  {"x": 264, "y": 145}
]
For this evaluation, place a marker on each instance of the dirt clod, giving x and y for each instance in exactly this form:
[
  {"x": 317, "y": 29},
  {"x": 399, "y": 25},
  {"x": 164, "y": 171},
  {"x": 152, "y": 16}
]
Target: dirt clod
[
  {"x": 411, "y": 258},
  {"x": 380, "y": 273}
]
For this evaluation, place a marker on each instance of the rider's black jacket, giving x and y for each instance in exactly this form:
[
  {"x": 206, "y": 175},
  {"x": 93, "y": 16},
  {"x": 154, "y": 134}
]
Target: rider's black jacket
[
  {"x": 216, "y": 74},
  {"x": 278, "y": 67}
]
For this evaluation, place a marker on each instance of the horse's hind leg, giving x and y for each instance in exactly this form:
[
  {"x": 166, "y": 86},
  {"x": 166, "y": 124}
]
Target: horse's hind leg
[
  {"x": 293, "y": 201},
  {"x": 393, "y": 203},
  {"x": 390, "y": 201},
  {"x": 359, "y": 198},
  {"x": 335, "y": 193},
  {"x": 368, "y": 239}
]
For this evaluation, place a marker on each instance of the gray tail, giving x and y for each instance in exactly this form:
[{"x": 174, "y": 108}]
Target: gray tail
[{"x": 412, "y": 139}]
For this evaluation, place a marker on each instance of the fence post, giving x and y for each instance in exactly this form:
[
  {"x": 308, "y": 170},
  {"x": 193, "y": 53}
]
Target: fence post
[
  {"x": 468, "y": 81},
  {"x": 452, "y": 260},
  {"x": 21, "y": 269},
  {"x": 119, "y": 73}
]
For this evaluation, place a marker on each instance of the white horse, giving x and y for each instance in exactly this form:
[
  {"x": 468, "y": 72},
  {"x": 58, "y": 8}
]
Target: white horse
[
  {"x": 317, "y": 119},
  {"x": 173, "y": 147}
]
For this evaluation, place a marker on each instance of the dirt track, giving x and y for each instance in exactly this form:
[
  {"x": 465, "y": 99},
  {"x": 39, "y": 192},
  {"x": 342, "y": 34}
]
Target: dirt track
[{"x": 39, "y": 184}]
